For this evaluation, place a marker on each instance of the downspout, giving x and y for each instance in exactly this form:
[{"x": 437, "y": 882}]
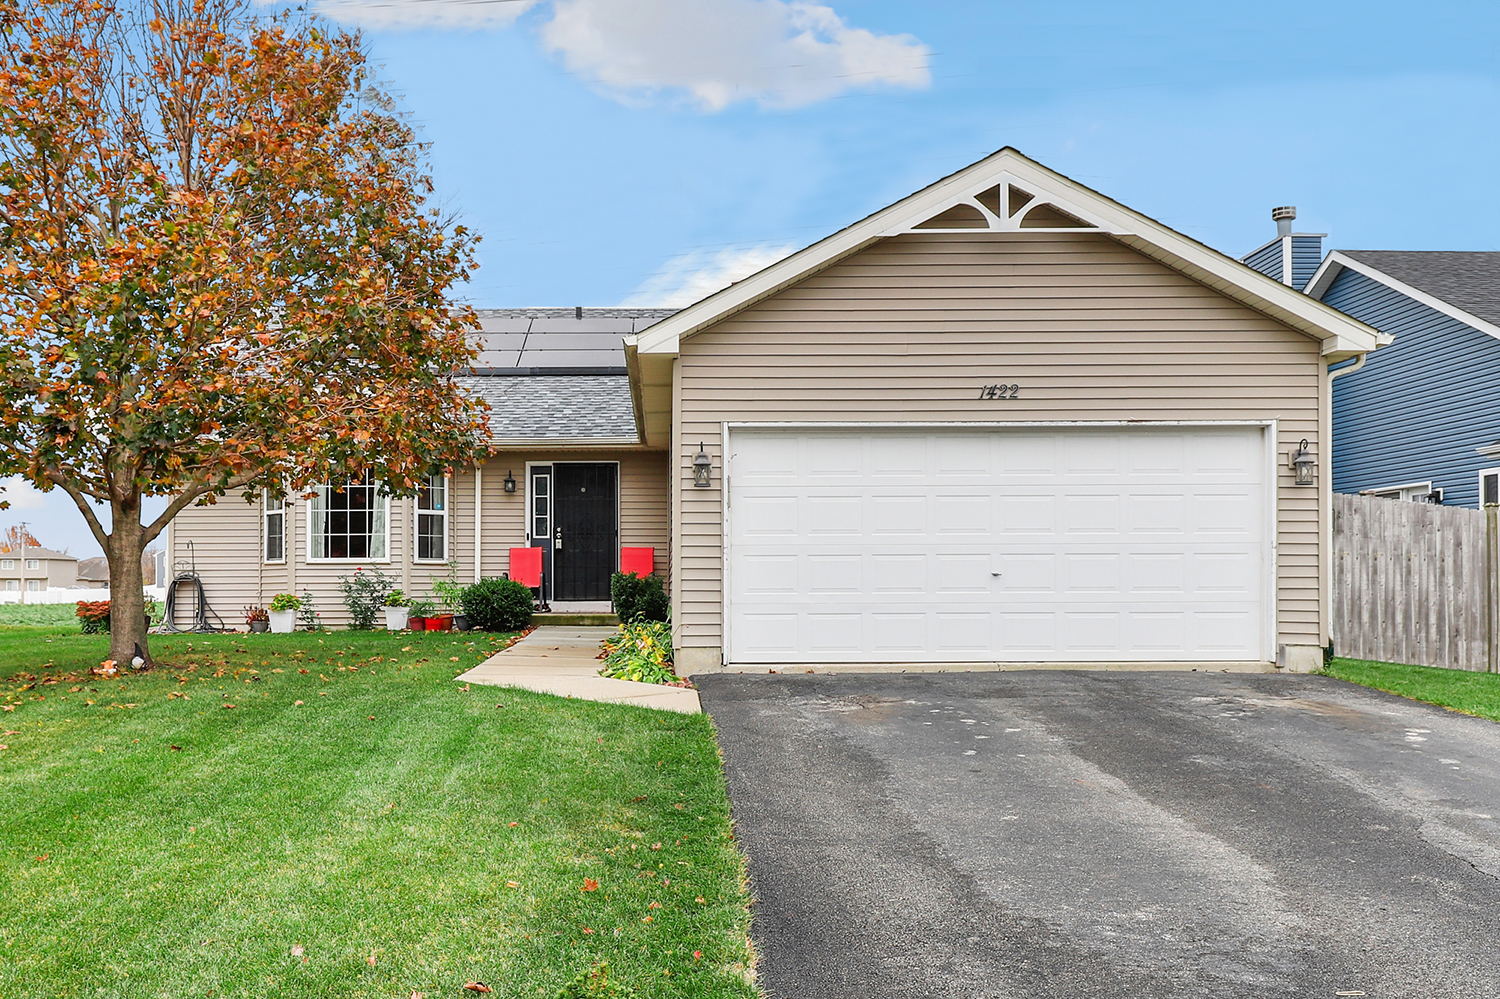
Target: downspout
[{"x": 1325, "y": 500}]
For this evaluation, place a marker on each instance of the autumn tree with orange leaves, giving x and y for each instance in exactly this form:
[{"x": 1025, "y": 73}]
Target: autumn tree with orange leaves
[{"x": 218, "y": 268}]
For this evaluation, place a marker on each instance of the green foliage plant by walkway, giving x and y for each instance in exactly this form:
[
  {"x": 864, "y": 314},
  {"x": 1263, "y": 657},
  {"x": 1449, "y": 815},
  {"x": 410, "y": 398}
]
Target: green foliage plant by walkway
[
  {"x": 1462, "y": 690},
  {"x": 329, "y": 814},
  {"x": 641, "y": 652}
]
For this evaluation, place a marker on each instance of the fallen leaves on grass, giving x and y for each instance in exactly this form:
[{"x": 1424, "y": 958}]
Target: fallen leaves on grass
[
  {"x": 589, "y": 884},
  {"x": 296, "y": 950},
  {"x": 175, "y": 749},
  {"x": 478, "y": 987},
  {"x": 512, "y": 884},
  {"x": 370, "y": 960}
]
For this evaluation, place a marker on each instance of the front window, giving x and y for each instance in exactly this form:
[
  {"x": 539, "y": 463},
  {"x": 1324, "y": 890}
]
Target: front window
[
  {"x": 348, "y": 521},
  {"x": 432, "y": 519},
  {"x": 7, "y": 563},
  {"x": 1489, "y": 487},
  {"x": 32, "y": 563},
  {"x": 275, "y": 529},
  {"x": 13, "y": 585},
  {"x": 33, "y": 586}
]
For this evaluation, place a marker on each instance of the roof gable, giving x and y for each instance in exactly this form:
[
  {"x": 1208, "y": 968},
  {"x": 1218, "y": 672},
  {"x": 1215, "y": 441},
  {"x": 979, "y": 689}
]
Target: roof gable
[
  {"x": 1007, "y": 192},
  {"x": 1461, "y": 284}
]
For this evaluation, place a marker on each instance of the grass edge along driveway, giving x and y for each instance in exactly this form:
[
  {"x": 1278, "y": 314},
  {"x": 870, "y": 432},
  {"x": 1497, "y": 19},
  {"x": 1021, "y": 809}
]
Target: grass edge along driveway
[
  {"x": 330, "y": 814},
  {"x": 1459, "y": 690}
]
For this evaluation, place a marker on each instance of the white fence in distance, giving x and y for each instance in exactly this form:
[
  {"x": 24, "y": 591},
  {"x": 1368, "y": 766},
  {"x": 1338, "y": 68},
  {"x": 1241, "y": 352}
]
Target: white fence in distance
[
  {"x": 72, "y": 595},
  {"x": 1414, "y": 583}
]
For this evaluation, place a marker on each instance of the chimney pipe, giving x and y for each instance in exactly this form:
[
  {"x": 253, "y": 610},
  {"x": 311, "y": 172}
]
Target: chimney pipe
[{"x": 1283, "y": 217}]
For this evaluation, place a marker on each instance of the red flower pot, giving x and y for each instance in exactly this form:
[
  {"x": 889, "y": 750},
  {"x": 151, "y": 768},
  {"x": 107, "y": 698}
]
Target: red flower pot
[
  {"x": 443, "y": 622},
  {"x": 417, "y": 623}
]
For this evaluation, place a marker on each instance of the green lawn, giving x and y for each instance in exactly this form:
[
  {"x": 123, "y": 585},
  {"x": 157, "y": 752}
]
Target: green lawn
[
  {"x": 1461, "y": 690},
  {"x": 354, "y": 825}
]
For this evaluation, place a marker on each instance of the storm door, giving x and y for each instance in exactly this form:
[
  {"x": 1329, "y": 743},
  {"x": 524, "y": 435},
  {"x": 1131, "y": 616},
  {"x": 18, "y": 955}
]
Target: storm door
[{"x": 585, "y": 529}]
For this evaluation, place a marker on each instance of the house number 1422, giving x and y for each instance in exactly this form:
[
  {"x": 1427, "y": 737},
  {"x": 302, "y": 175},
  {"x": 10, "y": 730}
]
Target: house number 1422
[{"x": 999, "y": 391}]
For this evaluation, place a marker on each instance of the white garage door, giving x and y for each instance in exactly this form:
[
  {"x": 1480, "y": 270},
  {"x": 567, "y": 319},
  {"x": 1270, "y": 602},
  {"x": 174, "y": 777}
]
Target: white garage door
[{"x": 1056, "y": 545}]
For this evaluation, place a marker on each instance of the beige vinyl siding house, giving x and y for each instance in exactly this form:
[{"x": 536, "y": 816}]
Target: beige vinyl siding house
[
  {"x": 36, "y": 570},
  {"x": 1112, "y": 340},
  {"x": 1004, "y": 421},
  {"x": 530, "y": 362}
]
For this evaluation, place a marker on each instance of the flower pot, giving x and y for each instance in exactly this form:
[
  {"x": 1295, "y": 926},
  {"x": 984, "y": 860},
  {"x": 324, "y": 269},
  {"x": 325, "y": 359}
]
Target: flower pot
[
  {"x": 443, "y": 622},
  {"x": 259, "y": 627},
  {"x": 461, "y": 622},
  {"x": 396, "y": 618},
  {"x": 282, "y": 622},
  {"x": 417, "y": 623}
]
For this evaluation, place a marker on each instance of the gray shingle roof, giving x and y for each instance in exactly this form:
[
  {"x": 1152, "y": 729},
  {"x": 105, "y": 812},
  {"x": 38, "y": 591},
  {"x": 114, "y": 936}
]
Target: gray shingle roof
[
  {"x": 1469, "y": 280},
  {"x": 572, "y": 409},
  {"x": 33, "y": 551}
]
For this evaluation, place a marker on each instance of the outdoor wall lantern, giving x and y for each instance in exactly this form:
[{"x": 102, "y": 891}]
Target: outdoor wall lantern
[
  {"x": 1303, "y": 463},
  {"x": 703, "y": 468},
  {"x": 510, "y": 481}
]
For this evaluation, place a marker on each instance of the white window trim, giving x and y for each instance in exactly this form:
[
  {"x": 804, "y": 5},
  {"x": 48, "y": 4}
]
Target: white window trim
[
  {"x": 266, "y": 513},
  {"x": 447, "y": 525},
  {"x": 8, "y": 563},
  {"x": 1482, "y": 473},
  {"x": 1401, "y": 490},
  {"x": 34, "y": 586},
  {"x": 33, "y": 565},
  {"x": 380, "y": 496}
]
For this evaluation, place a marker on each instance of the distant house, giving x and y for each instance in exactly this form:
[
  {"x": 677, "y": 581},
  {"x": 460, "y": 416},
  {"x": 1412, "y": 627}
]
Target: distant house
[
  {"x": 94, "y": 573},
  {"x": 37, "y": 569}
]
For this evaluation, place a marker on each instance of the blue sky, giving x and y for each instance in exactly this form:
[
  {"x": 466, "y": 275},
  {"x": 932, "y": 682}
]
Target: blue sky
[{"x": 647, "y": 151}]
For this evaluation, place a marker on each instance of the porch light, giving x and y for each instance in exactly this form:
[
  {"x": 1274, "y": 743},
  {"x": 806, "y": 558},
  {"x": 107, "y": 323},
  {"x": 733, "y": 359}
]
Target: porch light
[
  {"x": 703, "y": 468},
  {"x": 1303, "y": 463},
  {"x": 510, "y": 481}
]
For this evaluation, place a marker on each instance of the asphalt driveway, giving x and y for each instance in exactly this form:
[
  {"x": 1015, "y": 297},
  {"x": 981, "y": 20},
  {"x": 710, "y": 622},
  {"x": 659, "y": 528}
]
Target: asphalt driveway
[{"x": 1080, "y": 834}]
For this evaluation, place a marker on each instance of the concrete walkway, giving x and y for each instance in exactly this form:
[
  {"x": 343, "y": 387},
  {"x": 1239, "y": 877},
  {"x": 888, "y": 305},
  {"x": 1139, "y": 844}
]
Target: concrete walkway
[{"x": 563, "y": 661}]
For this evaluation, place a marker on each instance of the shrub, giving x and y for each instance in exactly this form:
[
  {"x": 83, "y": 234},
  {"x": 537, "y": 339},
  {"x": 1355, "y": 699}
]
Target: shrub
[
  {"x": 641, "y": 652},
  {"x": 307, "y": 615},
  {"x": 637, "y": 598},
  {"x": 93, "y": 616},
  {"x": 423, "y": 608},
  {"x": 253, "y": 614},
  {"x": 497, "y": 604},
  {"x": 364, "y": 595},
  {"x": 285, "y": 602}
]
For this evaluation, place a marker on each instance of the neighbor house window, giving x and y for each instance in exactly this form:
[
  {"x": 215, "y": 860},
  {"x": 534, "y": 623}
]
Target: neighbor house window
[
  {"x": 32, "y": 563},
  {"x": 13, "y": 585},
  {"x": 275, "y": 529},
  {"x": 33, "y": 586},
  {"x": 1489, "y": 487},
  {"x": 432, "y": 518},
  {"x": 348, "y": 521},
  {"x": 7, "y": 563},
  {"x": 1416, "y": 492}
]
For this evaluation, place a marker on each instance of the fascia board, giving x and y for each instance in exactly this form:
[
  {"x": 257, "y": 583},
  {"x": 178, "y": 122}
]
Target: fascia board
[
  {"x": 1416, "y": 294},
  {"x": 1199, "y": 262},
  {"x": 1325, "y": 275}
]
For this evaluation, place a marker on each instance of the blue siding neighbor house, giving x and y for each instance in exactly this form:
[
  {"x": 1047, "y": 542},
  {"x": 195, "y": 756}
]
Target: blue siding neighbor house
[{"x": 1420, "y": 419}]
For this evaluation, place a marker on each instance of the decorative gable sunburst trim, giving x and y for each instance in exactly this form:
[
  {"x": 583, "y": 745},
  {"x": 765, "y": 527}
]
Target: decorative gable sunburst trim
[
  {"x": 1064, "y": 205},
  {"x": 980, "y": 208}
]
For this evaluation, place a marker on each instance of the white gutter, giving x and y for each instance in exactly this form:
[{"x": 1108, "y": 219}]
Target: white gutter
[{"x": 1359, "y": 362}]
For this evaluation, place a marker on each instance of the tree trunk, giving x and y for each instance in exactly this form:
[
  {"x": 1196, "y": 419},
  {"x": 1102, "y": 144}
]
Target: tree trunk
[{"x": 127, "y": 603}]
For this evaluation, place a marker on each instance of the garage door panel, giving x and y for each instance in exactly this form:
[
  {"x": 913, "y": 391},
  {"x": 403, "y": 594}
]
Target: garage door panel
[{"x": 1110, "y": 545}]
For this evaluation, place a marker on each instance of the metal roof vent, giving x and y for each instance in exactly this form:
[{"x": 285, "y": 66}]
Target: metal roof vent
[{"x": 1283, "y": 217}]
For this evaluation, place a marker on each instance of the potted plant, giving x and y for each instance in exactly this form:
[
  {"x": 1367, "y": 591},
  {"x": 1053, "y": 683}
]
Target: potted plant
[
  {"x": 450, "y": 593},
  {"x": 396, "y": 611},
  {"x": 421, "y": 610},
  {"x": 258, "y": 618},
  {"x": 284, "y": 613}
]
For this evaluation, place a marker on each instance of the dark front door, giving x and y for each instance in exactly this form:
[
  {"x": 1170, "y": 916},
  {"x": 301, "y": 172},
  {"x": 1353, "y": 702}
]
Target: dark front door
[{"x": 584, "y": 531}]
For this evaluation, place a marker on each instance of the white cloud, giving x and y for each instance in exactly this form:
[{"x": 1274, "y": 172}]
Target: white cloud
[
  {"x": 717, "y": 52},
  {"x": 709, "y": 53},
  {"x": 397, "y": 14},
  {"x": 685, "y": 279},
  {"x": 22, "y": 494}
]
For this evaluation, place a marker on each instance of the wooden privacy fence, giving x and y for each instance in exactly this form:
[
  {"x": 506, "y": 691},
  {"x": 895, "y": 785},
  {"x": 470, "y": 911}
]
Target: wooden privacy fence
[{"x": 1414, "y": 583}]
